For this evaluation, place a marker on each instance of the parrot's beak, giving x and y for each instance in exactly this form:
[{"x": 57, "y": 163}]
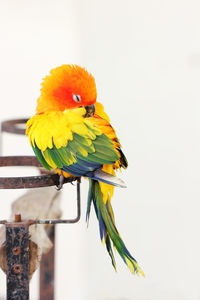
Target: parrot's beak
[{"x": 90, "y": 110}]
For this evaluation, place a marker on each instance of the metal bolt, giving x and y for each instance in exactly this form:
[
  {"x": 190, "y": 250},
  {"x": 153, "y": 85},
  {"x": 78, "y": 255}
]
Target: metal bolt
[
  {"x": 18, "y": 218},
  {"x": 17, "y": 268},
  {"x": 16, "y": 250}
]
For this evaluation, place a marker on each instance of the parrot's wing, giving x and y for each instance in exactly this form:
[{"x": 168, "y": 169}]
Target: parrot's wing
[{"x": 70, "y": 142}]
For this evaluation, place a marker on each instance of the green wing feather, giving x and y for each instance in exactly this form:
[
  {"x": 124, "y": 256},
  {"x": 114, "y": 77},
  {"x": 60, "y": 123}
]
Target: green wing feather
[
  {"x": 90, "y": 148},
  {"x": 40, "y": 157}
]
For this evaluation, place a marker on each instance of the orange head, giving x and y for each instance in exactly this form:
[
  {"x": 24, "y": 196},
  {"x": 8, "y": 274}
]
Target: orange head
[{"x": 68, "y": 86}]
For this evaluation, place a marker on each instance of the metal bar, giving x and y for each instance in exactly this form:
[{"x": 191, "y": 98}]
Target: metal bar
[
  {"x": 47, "y": 270},
  {"x": 11, "y": 161},
  {"x": 17, "y": 255},
  {"x": 11, "y": 126},
  {"x": 61, "y": 221},
  {"x": 49, "y": 179},
  {"x": 32, "y": 181}
]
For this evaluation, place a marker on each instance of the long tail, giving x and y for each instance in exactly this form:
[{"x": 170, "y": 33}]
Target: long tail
[{"x": 107, "y": 227}]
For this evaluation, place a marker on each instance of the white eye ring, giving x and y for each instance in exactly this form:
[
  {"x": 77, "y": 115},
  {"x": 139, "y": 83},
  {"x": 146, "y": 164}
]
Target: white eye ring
[{"x": 77, "y": 98}]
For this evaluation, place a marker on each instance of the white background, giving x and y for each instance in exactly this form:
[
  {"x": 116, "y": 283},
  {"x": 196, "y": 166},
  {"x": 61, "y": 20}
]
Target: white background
[{"x": 145, "y": 56}]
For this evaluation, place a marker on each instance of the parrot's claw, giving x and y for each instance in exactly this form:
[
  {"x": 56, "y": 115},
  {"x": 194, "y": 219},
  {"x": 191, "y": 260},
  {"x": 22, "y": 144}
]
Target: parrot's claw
[{"x": 61, "y": 181}]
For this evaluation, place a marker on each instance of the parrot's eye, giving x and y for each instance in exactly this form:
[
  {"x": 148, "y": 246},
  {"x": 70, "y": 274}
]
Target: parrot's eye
[{"x": 77, "y": 98}]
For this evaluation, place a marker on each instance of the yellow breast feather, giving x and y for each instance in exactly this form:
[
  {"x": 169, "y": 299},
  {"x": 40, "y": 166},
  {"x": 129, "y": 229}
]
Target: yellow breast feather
[{"x": 56, "y": 128}]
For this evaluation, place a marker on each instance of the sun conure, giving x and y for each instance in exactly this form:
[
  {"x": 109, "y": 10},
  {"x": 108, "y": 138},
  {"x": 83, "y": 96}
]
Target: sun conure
[{"x": 71, "y": 133}]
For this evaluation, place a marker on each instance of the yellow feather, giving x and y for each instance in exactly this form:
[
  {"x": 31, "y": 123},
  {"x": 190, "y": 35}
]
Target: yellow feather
[
  {"x": 131, "y": 268},
  {"x": 74, "y": 115},
  {"x": 48, "y": 159},
  {"x": 80, "y": 129},
  {"x": 99, "y": 110},
  {"x": 55, "y": 127},
  {"x": 81, "y": 111},
  {"x": 107, "y": 189},
  {"x": 94, "y": 128},
  {"x": 61, "y": 139}
]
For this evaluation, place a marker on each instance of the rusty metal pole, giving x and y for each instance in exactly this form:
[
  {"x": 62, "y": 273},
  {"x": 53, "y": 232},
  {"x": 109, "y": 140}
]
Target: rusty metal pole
[
  {"x": 47, "y": 270},
  {"x": 17, "y": 253}
]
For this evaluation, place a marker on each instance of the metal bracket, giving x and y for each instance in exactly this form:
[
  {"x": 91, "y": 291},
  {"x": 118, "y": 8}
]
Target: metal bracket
[{"x": 49, "y": 179}]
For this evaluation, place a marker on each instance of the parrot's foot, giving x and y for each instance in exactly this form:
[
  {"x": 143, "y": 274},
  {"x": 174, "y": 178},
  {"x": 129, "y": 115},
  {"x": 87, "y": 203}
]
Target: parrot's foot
[{"x": 61, "y": 181}]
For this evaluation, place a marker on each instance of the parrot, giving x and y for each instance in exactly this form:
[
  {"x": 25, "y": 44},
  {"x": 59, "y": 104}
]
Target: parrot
[{"x": 71, "y": 134}]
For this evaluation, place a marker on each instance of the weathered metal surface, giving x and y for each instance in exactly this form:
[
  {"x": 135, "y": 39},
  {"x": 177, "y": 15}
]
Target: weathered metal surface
[
  {"x": 13, "y": 161},
  {"x": 31, "y": 181},
  {"x": 47, "y": 270},
  {"x": 11, "y": 126},
  {"x": 17, "y": 255},
  {"x": 28, "y": 181}
]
